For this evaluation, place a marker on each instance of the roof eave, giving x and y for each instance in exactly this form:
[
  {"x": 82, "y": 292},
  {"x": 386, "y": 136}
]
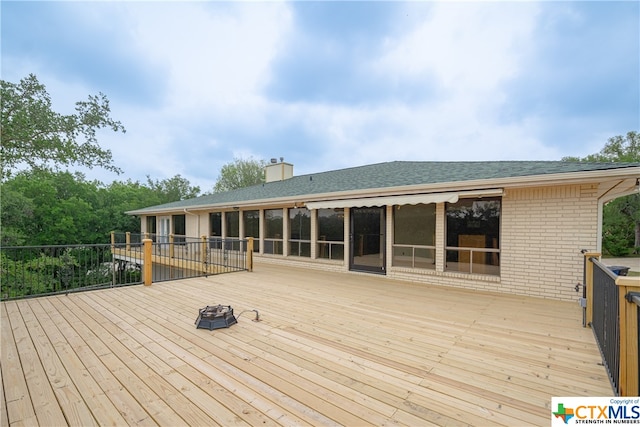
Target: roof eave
[{"x": 479, "y": 184}]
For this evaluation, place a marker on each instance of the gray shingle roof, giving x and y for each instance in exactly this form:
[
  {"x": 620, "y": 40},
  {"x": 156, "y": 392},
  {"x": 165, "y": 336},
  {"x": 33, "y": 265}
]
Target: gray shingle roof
[{"x": 385, "y": 175}]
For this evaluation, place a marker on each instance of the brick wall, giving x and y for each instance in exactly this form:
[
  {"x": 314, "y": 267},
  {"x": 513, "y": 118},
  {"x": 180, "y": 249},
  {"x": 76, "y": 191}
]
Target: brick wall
[{"x": 543, "y": 231}]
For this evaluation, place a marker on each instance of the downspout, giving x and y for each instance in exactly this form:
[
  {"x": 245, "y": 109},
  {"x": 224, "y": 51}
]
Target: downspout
[{"x": 196, "y": 215}]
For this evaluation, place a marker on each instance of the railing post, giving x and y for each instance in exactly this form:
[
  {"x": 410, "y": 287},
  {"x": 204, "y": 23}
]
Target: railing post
[
  {"x": 171, "y": 249},
  {"x": 148, "y": 263},
  {"x": 127, "y": 240},
  {"x": 629, "y": 336},
  {"x": 203, "y": 254},
  {"x": 250, "y": 254},
  {"x": 588, "y": 277}
]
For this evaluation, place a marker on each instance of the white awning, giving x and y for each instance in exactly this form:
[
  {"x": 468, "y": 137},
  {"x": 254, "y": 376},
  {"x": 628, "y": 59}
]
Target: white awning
[{"x": 411, "y": 199}]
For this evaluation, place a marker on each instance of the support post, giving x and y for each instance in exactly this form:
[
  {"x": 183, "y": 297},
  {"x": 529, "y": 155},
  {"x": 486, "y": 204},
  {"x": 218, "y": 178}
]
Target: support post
[
  {"x": 629, "y": 334},
  {"x": 147, "y": 262},
  {"x": 588, "y": 277},
  {"x": 128, "y": 241},
  {"x": 250, "y": 254},
  {"x": 203, "y": 254},
  {"x": 171, "y": 247}
]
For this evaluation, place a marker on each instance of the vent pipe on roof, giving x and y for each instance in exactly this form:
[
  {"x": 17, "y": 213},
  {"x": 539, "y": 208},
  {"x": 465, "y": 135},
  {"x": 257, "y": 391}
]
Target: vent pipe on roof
[{"x": 275, "y": 171}]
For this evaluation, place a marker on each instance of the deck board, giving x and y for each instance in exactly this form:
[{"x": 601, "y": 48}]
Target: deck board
[{"x": 330, "y": 349}]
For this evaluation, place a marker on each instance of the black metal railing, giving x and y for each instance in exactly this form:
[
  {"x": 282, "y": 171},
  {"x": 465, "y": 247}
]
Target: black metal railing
[
  {"x": 27, "y": 271},
  {"x": 605, "y": 320},
  {"x": 193, "y": 257},
  {"x": 181, "y": 257}
]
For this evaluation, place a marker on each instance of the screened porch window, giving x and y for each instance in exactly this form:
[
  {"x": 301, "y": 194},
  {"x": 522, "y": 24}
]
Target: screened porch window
[
  {"x": 179, "y": 228},
  {"x": 414, "y": 229},
  {"x": 300, "y": 232},
  {"x": 151, "y": 227},
  {"x": 330, "y": 234},
  {"x": 232, "y": 237},
  {"x": 252, "y": 227},
  {"x": 473, "y": 236},
  {"x": 273, "y": 231},
  {"x": 215, "y": 227}
]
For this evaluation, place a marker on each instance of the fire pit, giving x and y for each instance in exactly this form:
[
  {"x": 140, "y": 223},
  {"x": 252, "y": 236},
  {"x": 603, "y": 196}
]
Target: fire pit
[{"x": 215, "y": 317}]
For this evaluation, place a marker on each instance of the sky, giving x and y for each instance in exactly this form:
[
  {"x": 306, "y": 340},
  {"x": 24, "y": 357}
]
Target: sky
[{"x": 333, "y": 84}]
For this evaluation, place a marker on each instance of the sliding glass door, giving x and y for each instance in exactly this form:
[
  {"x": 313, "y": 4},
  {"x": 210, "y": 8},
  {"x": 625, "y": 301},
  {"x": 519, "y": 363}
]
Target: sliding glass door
[{"x": 367, "y": 240}]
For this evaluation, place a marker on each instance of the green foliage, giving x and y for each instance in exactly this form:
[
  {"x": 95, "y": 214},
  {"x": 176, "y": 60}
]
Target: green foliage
[
  {"x": 60, "y": 208},
  {"x": 239, "y": 174},
  {"x": 35, "y": 136},
  {"x": 173, "y": 189},
  {"x": 15, "y": 215},
  {"x": 621, "y": 220},
  {"x": 28, "y": 271},
  {"x": 42, "y": 274},
  {"x": 617, "y": 149},
  {"x": 621, "y": 217}
]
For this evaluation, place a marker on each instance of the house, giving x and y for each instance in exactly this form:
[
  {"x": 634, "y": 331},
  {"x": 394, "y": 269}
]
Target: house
[{"x": 507, "y": 226}]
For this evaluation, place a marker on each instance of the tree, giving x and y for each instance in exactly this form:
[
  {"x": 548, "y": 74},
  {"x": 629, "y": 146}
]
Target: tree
[
  {"x": 62, "y": 208},
  {"x": 621, "y": 217},
  {"x": 15, "y": 216},
  {"x": 173, "y": 189},
  {"x": 617, "y": 149},
  {"x": 35, "y": 136},
  {"x": 239, "y": 174},
  {"x": 41, "y": 207}
]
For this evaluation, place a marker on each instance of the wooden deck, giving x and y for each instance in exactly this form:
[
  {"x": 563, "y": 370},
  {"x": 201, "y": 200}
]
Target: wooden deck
[{"x": 331, "y": 349}]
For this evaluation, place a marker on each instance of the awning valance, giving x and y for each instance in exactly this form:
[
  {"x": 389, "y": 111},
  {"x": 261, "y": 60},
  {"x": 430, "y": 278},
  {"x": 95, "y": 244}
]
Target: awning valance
[{"x": 409, "y": 199}]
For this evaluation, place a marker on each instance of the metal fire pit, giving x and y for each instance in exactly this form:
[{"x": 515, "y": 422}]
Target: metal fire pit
[{"x": 215, "y": 317}]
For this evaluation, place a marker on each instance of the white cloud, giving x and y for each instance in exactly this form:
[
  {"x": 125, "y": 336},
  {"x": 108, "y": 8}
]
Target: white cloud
[
  {"x": 218, "y": 55},
  {"x": 472, "y": 50},
  {"x": 468, "y": 47}
]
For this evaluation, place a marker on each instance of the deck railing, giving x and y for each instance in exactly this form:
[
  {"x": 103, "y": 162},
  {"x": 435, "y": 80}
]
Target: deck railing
[
  {"x": 175, "y": 257},
  {"x": 613, "y": 314},
  {"x": 27, "y": 271}
]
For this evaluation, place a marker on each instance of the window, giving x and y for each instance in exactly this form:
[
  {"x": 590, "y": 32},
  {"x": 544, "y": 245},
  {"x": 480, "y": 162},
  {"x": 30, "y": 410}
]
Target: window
[
  {"x": 252, "y": 227},
  {"x": 179, "y": 228},
  {"x": 151, "y": 227},
  {"x": 232, "y": 234},
  {"x": 215, "y": 227},
  {"x": 330, "y": 234},
  {"x": 273, "y": 231},
  {"x": 300, "y": 232},
  {"x": 473, "y": 236},
  {"x": 414, "y": 229}
]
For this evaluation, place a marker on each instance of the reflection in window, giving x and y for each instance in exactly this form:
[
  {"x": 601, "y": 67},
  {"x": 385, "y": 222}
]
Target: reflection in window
[
  {"x": 215, "y": 230},
  {"x": 473, "y": 236},
  {"x": 252, "y": 227},
  {"x": 300, "y": 232},
  {"x": 273, "y": 231},
  {"x": 179, "y": 228},
  {"x": 330, "y": 234},
  {"x": 232, "y": 237},
  {"x": 151, "y": 227},
  {"x": 414, "y": 228}
]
